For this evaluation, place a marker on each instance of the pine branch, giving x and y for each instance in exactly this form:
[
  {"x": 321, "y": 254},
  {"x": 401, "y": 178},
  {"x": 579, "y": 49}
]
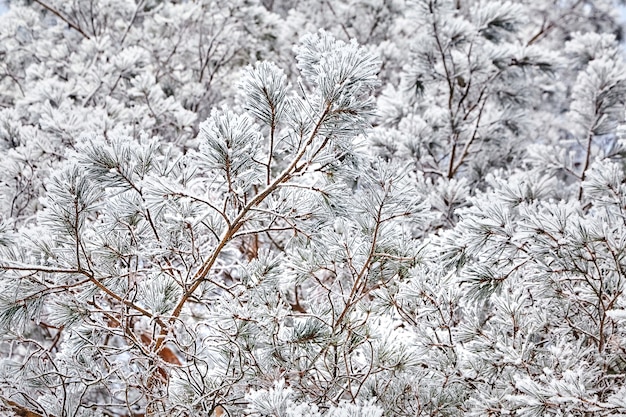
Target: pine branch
[{"x": 238, "y": 222}]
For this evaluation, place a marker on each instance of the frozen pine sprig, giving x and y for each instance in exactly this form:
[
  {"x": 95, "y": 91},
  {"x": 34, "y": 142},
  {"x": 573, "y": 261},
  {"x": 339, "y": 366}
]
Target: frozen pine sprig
[
  {"x": 496, "y": 20},
  {"x": 605, "y": 184},
  {"x": 274, "y": 401},
  {"x": 121, "y": 162},
  {"x": 598, "y": 97},
  {"x": 230, "y": 145},
  {"x": 74, "y": 201},
  {"x": 344, "y": 74},
  {"x": 281, "y": 401},
  {"x": 264, "y": 89}
]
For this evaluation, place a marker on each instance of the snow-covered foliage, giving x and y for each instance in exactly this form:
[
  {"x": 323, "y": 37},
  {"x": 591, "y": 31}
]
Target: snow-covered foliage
[{"x": 312, "y": 208}]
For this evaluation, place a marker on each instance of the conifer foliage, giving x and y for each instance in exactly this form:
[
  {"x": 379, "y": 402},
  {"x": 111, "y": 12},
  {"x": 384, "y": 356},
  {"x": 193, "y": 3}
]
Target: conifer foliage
[{"x": 313, "y": 208}]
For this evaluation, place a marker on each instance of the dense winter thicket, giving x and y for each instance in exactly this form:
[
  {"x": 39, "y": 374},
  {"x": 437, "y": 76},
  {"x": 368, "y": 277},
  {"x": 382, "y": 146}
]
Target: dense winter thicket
[{"x": 312, "y": 208}]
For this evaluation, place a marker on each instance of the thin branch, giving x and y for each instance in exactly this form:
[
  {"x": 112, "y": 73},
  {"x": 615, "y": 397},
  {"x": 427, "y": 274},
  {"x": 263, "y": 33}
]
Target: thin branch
[
  {"x": 132, "y": 21},
  {"x": 63, "y": 18},
  {"x": 91, "y": 278}
]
